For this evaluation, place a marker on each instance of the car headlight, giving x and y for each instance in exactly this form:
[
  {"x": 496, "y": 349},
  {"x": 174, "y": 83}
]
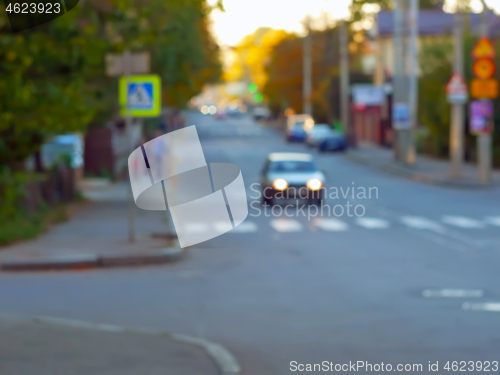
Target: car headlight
[
  {"x": 280, "y": 184},
  {"x": 314, "y": 184}
]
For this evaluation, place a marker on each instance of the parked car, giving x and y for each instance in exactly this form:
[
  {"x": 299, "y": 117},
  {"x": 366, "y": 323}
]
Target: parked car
[
  {"x": 297, "y": 127},
  {"x": 261, "y": 113},
  {"x": 234, "y": 112},
  {"x": 221, "y": 114},
  {"x": 317, "y": 134},
  {"x": 287, "y": 175},
  {"x": 333, "y": 141}
]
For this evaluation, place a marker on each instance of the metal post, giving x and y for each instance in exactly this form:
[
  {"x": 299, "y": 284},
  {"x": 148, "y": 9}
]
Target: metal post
[
  {"x": 399, "y": 69},
  {"x": 457, "y": 110},
  {"x": 379, "y": 78},
  {"x": 484, "y": 153},
  {"x": 127, "y": 71},
  {"x": 413, "y": 65},
  {"x": 307, "y": 71},
  {"x": 344, "y": 84}
]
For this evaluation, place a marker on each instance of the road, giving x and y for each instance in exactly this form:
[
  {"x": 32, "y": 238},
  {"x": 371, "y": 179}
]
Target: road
[{"x": 414, "y": 280}]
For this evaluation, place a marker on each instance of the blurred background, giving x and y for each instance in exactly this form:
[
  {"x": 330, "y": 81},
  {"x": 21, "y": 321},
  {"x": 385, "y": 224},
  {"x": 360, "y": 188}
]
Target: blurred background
[{"x": 380, "y": 94}]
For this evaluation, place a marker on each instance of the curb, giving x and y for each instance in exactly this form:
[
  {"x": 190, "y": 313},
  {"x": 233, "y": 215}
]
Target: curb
[
  {"x": 90, "y": 261},
  {"x": 223, "y": 359},
  {"x": 416, "y": 176}
]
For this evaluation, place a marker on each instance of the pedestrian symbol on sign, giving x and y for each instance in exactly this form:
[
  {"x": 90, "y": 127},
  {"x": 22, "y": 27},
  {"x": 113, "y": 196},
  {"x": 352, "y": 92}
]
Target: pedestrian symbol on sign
[{"x": 139, "y": 96}]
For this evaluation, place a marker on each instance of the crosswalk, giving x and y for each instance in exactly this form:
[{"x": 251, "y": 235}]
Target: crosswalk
[
  {"x": 294, "y": 225},
  {"x": 235, "y": 131}
]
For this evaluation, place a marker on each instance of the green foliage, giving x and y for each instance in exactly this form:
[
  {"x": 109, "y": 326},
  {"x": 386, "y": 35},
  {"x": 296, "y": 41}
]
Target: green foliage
[
  {"x": 284, "y": 68},
  {"x": 23, "y": 227},
  {"x": 12, "y": 190},
  {"x": 53, "y": 76},
  {"x": 436, "y": 70}
]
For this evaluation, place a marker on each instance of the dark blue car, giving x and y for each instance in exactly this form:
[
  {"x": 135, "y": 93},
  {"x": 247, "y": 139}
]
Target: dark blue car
[
  {"x": 334, "y": 141},
  {"x": 296, "y": 133}
]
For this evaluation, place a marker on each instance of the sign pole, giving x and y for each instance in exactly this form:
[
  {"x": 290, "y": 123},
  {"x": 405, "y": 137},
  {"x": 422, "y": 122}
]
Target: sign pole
[
  {"x": 457, "y": 111},
  {"x": 127, "y": 71},
  {"x": 344, "y": 84},
  {"x": 484, "y": 138},
  {"x": 307, "y": 69}
]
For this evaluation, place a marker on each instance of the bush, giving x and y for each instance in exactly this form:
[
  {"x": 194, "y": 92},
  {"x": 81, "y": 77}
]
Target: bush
[{"x": 26, "y": 227}]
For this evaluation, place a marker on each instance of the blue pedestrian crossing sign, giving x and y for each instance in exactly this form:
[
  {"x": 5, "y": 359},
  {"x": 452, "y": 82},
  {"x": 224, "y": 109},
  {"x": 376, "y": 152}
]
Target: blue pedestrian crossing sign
[{"x": 140, "y": 96}]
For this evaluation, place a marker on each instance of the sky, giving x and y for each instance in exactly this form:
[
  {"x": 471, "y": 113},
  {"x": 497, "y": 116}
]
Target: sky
[{"x": 243, "y": 17}]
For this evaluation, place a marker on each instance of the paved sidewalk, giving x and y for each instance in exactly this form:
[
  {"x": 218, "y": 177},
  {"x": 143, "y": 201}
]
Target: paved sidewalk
[
  {"x": 33, "y": 348},
  {"x": 426, "y": 170},
  {"x": 96, "y": 236}
]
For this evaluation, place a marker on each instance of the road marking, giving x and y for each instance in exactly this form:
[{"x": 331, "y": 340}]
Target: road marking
[
  {"x": 225, "y": 361},
  {"x": 246, "y": 227},
  {"x": 462, "y": 222},
  {"x": 453, "y": 293},
  {"x": 80, "y": 324},
  {"x": 372, "y": 223},
  {"x": 493, "y": 220},
  {"x": 222, "y": 226},
  {"x": 285, "y": 225},
  {"x": 331, "y": 225},
  {"x": 488, "y": 306},
  {"x": 417, "y": 222},
  {"x": 196, "y": 227}
]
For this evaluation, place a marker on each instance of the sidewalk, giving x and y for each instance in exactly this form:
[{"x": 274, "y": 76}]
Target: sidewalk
[
  {"x": 426, "y": 170},
  {"x": 96, "y": 236},
  {"x": 37, "y": 348}
]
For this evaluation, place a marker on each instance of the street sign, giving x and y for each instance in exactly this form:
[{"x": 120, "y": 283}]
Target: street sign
[
  {"x": 484, "y": 88},
  {"x": 483, "y": 48},
  {"x": 140, "y": 96},
  {"x": 401, "y": 116},
  {"x": 116, "y": 64},
  {"x": 484, "y": 67},
  {"x": 481, "y": 112},
  {"x": 368, "y": 95},
  {"x": 457, "y": 89}
]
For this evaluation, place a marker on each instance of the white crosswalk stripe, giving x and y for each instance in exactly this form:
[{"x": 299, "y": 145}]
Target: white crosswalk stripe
[
  {"x": 372, "y": 223},
  {"x": 462, "y": 222},
  {"x": 493, "y": 220},
  {"x": 196, "y": 228},
  {"x": 331, "y": 225},
  {"x": 286, "y": 225},
  {"x": 417, "y": 222},
  {"x": 246, "y": 227}
]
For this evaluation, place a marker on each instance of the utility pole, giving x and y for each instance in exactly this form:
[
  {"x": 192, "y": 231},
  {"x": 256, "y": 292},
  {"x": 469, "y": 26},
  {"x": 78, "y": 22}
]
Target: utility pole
[
  {"x": 307, "y": 72},
  {"x": 344, "y": 83},
  {"x": 484, "y": 139},
  {"x": 457, "y": 110},
  {"x": 400, "y": 116},
  {"x": 413, "y": 66}
]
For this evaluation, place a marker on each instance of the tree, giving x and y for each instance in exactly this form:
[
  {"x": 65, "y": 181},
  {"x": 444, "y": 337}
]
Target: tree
[
  {"x": 251, "y": 54},
  {"x": 54, "y": 74}
]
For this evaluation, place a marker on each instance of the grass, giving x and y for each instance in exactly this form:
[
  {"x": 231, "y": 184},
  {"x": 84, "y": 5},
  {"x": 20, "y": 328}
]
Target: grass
[{"x": 30, "y": 226}]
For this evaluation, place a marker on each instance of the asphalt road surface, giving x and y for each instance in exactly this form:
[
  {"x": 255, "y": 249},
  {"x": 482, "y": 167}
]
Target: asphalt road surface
[{"x": 415, "y": 279}]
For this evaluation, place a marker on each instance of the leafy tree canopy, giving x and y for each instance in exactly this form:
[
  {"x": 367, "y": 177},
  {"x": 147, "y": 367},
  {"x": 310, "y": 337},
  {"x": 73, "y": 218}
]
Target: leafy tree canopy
[{"x": 53, "y": 76}]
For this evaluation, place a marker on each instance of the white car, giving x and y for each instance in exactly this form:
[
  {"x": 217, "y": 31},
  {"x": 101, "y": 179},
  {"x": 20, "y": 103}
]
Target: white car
[
  {"x": 290, "y": 175},
  {"x": 317, "y": 134}
]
